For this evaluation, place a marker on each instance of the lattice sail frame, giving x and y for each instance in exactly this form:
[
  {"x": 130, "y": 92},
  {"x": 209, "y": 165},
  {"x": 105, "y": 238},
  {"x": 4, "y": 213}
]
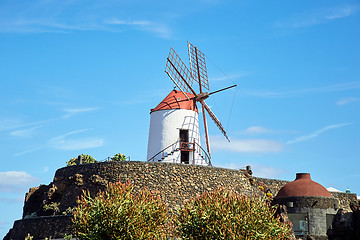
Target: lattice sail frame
[
  {"x": 179, "y": 73},
  {"x": 184, "y": 78},
  {"x": 215, "y": 119},
  {"x": 198, "y": 66}
]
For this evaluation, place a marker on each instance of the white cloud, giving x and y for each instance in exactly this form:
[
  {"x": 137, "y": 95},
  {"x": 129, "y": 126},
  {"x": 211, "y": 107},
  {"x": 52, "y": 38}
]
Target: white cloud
[
  {"x": 266, "y": 171},
  {"x": 73, "y": 111},
  {"x": 116, "y": 21},
  {"x": 26, "y": 151},
  {"x": 63, "y": 143},
  {"x": 45, "y": 169},
  {"x": 347, "y": 100},
  {"x": 9, "y": 123},
  {"x": 48, "y": 16},
  {"x": 292, "y": 93},
  {"x": 331, "y": 189},
  {"x": 256, "y": 130},
  {"x": 12, "y": 123},
  {"x": 341, "y": 13},
  {"x": 317, "y": 16},
  {"x": 246, "y": 145},
  {"x": 78, "y": 144},
  {"x": 317, "y": 133},
  {"x": 14, "y": 181},
  {"x": 158, "y": 28},
  {"x": 28, "y": 132}
]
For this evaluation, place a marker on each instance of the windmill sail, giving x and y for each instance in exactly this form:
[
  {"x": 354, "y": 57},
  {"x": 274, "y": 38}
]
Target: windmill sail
[
  {"x": 183, "y": 79},
  {"x": 214, "y": 118},
  {"x": 179, "y": 73},
  {"x": 198, "y": 66}
]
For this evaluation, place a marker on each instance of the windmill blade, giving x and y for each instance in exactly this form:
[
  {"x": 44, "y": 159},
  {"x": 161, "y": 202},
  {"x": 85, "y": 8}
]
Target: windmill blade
[
  {"x": 198, "y": 66},
  {"x": 214, "y": 118},
  {"x": 179, "y": 73},
  {"x": 206, "y": 130}
]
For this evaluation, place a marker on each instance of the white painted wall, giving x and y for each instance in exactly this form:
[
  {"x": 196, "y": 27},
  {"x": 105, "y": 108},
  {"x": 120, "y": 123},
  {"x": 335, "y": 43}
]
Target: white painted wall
[{"x": 164, "y": 131}]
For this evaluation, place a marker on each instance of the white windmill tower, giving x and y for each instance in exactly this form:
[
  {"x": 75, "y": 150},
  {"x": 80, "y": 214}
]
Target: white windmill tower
[{"x": 174, "y": 124}]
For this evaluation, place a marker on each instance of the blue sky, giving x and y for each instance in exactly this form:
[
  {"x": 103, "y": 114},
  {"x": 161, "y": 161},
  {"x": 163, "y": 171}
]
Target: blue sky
[{"x": 81, "y": 77}]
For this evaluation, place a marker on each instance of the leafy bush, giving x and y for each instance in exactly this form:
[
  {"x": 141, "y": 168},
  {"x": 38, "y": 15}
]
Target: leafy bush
[
  {"x": 118, "y": 157},
  {"x": 51, "y": 208},
  {"x": 85, "y": 159},
  {"x": 223, "y": 214},
  {"x": 29, "y": 237},
  {"x": 118, "y": 214}
]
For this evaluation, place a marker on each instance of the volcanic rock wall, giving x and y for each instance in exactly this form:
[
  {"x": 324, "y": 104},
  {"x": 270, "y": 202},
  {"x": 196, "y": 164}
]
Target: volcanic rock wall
[
  {"x": 173, "y": 183},
  {"x": 47, "y": 208}
]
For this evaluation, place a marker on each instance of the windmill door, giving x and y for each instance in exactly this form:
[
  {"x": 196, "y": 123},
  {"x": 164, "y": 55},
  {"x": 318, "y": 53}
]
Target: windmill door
[{"x": 184, "y": 145}]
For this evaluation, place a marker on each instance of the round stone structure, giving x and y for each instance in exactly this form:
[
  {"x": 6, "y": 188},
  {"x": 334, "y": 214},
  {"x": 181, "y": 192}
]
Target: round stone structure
[
  {"x": 303, "y": 186},
  {"x": 310, "y": 206}
]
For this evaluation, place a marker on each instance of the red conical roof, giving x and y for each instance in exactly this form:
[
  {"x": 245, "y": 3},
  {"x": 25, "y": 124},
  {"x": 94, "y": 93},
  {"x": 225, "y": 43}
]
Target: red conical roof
[
  {"x": 177, "y": 100},
  {"x": 303, "y": 186}
]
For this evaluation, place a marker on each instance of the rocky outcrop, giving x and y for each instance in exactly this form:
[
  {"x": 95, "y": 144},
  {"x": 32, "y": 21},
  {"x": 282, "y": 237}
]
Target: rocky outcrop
[
  {"x": 346, "y": 224},
  {"x": 48, "y": 206},
  {"x": 47, "y": 209},
  {"x": 281, "y": 213}
]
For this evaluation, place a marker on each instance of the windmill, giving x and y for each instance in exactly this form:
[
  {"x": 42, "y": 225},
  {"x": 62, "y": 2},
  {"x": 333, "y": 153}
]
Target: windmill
[{"x": 186, "y": 101}]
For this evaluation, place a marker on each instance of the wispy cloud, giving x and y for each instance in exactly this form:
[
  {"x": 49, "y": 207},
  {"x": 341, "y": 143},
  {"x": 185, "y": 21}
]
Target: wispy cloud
[
  {"x": 27, "y": 151},
  {"x": 15, "y": 181},
  {"x": 158, "y": 28},
  {"x": 332, "y": 189},
  {"x": 50, "y": 17},
  {"x": 256, "y": 130},
  {"x": 246, "y": 145},
  {"x": 299, "y": 92},
  {"x": 24, "y": 133},
  {"x": 266, "y": 171},
  {"x": 45, "y": 169},
  {"x": 317, "y": 16},
  {"x": 344, "y": 101},
  {"x": 12, "y": 123},
  {"x": 317, "y": 133},
  {"x": 74, "y": 111},
  {"x": 342, "y": 12},
  {"x": 259, "y": 130},
  {"x": 63, "y": 142}
]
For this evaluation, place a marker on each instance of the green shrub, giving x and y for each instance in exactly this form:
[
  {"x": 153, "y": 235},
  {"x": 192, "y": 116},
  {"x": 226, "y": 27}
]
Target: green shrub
[
  {"x": 51, "y": 208},
  {"x": 85, "y": 159},
  {"x": 223, "y": 214},
  {"x": 118, "y": 157},
  {"x": 118, "y": 214},
  {"x": 29, "y": 237}
]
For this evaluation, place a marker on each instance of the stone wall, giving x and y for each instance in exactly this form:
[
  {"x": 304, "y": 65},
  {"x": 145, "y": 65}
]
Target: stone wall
[
  {"x": 273, "y": 185},
  {"x": 41, "y": 227},
  {"x": 173, "y": 183},
  {"x": 344, "y": 199}
]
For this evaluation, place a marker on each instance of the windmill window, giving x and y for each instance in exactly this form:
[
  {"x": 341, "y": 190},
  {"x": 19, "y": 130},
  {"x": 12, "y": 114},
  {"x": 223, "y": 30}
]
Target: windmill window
[
  {"x": 179, "y": 98},
  {"x": 184, "y": 141}
]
